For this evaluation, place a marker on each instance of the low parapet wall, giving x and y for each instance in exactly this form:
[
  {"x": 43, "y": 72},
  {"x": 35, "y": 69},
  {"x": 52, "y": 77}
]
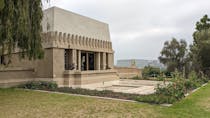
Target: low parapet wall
[
  {"x": 128, "y": 72},
  {"x": 15, "y": 76},
  {"x": 80, "y": 78}
]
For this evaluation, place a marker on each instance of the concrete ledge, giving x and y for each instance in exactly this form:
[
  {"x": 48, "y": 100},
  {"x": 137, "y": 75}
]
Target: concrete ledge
[
  {"x": 12, "y": 69},
  {"x": 66, "y": 72}
]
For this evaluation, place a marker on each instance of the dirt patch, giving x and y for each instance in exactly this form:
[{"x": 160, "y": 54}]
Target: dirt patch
[{"x": 205, "y": 104}]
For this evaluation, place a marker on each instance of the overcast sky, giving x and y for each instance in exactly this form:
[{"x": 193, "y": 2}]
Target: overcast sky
[{"x": 138, "y": 28}]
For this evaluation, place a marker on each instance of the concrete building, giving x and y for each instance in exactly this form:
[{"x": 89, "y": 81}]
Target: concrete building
[
  {"x": 78, "y": 51},
  {"x": 140, "y": 63}
]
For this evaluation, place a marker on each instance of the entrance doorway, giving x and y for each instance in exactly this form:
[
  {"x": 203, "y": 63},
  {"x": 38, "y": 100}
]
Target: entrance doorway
[{"x": 91, "y": 61}]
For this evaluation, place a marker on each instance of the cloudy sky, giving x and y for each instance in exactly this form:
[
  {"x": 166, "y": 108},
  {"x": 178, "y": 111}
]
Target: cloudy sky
[{"x": 139, "y": 28}]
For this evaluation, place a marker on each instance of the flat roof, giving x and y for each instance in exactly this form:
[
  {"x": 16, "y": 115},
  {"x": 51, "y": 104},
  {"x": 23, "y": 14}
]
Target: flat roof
[{"x": 57, "y": 19}]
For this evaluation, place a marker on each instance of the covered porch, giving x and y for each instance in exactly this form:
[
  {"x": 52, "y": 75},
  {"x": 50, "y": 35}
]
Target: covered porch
[
  {"x": 87, "y": 67},
  {"x": 81, "y": 60}
]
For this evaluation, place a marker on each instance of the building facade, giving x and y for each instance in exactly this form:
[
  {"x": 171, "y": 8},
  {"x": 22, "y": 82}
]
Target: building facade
[
  {"x": 140, "y": 63},
  {"x": 78, "y": 51}
]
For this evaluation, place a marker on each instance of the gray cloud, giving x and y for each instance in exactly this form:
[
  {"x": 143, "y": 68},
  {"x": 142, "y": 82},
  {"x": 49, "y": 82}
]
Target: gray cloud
[{"x": 139, "y": 28}]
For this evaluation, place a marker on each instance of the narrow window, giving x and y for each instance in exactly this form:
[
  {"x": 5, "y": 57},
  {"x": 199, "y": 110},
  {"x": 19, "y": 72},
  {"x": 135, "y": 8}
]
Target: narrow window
[
  {"x": 66, "y": 59},
  {"x": 2, "y": 60}
]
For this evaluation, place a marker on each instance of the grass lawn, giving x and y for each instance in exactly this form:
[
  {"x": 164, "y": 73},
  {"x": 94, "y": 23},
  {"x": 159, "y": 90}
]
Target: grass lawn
[{"x": 16, "y": 103}]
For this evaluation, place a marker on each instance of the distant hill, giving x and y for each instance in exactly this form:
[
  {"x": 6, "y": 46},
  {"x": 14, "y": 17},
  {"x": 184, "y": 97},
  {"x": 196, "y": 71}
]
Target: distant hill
[{"x": 140, "y": 63}]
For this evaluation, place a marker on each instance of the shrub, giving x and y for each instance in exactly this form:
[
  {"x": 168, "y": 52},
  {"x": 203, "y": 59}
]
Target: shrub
[
  {"x": 160, "y": 78},
  {"x": 150, "y": 71},
  {"x": 189, "y": 84},
  {"x": 103, "y": 93},
  {"x": 177, "y": 89},
  {"x": 174, "y": 90},
  {"x": 43, "y": 85}
]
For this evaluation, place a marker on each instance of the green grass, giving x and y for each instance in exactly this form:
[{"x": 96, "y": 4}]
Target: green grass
[{"x": 15, "y": 103}]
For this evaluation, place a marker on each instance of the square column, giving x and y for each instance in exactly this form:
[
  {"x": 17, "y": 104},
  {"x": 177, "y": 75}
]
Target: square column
[
  {"x": 97, "y": 60},
  {"x": 79, "y": 60},
  {"x": 74, "y": 58},
  {"x": 87, "y": 61},
  {"x": 104, "y": 61},
  {"x": 110, "y": 60}
]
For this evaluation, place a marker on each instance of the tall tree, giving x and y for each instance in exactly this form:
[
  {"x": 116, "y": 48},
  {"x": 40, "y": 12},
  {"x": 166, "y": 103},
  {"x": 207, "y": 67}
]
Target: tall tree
[
  {"x": 200, "y": 49},
  {"x": 174, "y": 55},
  {"x": 1, "y": 4},
  {"x": 20, "y": 28}
]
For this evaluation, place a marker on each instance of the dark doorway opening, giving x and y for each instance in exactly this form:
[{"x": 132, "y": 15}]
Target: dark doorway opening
[
  {"x": 66, "y": 59},
  {"x": 91, "y": 61},
  {"x": 2, "y": 60},
  {"x": 87, "y": 61}
]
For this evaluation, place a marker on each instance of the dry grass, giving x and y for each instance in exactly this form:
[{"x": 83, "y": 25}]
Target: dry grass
[
  {"x": 16, "y": 103},
  {"x": 206, "y": 104},
  {"x": 29, "y": 104}
]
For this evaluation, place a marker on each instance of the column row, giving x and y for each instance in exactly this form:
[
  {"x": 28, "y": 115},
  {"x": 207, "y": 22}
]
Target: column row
[{"x": 92, "y": 60}]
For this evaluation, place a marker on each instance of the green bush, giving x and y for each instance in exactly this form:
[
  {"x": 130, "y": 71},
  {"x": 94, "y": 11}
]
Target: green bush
[
  {"x": 150, "y": 71},
  {"x": 103, "y": 93},
  {"x": 43, "y": 85},
  {"x": 160, "y": 78},
  {"x": 191, "y": 84},
  {"x": 177, "y": 89}
]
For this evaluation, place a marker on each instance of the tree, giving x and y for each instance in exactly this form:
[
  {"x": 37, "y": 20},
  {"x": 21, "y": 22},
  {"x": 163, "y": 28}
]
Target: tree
[
  {"x": 20, "y": 28},
  {"x": 1, "y": 4},
  {"x": 150, "y": 71},
  {"x": 174, "y": 55},
  {"x": 199, "y": 50}
]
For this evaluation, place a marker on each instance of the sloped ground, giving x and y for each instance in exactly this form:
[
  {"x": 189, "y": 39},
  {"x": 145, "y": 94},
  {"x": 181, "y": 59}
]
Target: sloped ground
[{"x": 16, "y": 103}]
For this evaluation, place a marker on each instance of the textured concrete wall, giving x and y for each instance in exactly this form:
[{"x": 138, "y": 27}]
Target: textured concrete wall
[
  {"x": 48, "y": 20},
  {"x": 58, "y": 62},
  {"x": 67, "y": 22},
  {"x": 11, "y": 77},
  {"x": 77, "y": 78},
  {"x": 44, "y": 67},
  {"x": 23, "y": 70},
  {"x": 125, "y": 72},
  {"x": 58, "y": 65},
  {"x": 19, "y": 63}
]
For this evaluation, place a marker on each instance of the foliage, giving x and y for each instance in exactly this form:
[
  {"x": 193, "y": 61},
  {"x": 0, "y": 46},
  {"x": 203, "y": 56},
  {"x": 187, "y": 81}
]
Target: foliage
[
  {"x": 43, "y": 85},
  {"x": 1, "y": 4},
  {"x": 20, "y": 27},
  {"x": 180, "y": 86},
  {"x": 150, "y": 71},
  {"x": 174, "y": 90},
  {"x": 199, "y": 50},
  {"x": 167, "y": 74},
  {"x": 153, "y": 98},
  {"x": 174, "y": 55}
]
